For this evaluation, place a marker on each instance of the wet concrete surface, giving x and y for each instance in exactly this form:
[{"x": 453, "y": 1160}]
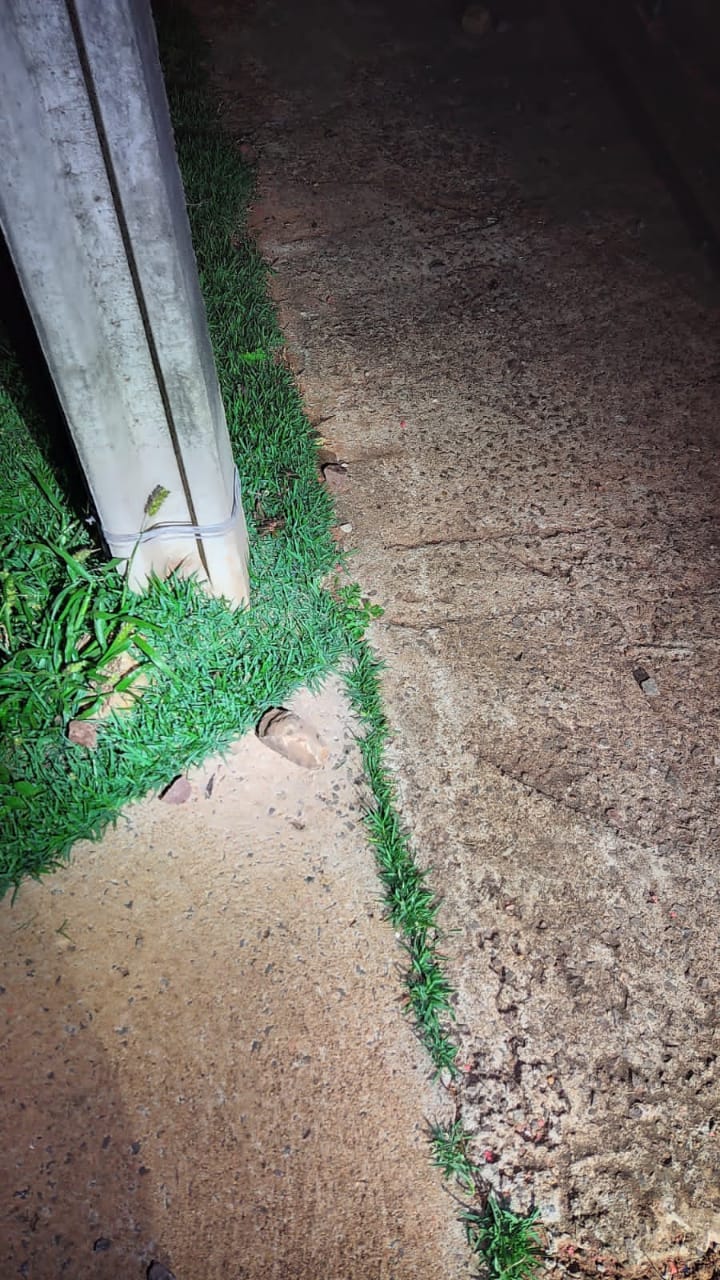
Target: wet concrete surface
[{"x": 504, "y": 329}]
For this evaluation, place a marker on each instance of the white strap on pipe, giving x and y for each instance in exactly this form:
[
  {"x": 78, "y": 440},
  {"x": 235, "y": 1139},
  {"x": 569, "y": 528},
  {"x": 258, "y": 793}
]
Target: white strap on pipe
[{"x": 172, "y": 528}]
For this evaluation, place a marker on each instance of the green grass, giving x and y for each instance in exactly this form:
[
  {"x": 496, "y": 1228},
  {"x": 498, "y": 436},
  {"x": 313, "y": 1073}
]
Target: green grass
[
  {"x": 411, "y": 904},
  {"x": 64, "y": 613},
  {"x": 509, "y": 1243}
]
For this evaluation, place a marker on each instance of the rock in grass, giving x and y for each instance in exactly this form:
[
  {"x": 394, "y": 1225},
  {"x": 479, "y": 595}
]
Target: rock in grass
[
  {"x": 178, "y": 792},
  {"x": 476, "y": 20},
  {"x": 83, "y": 733},
  {"x": 292, "y": 737}
]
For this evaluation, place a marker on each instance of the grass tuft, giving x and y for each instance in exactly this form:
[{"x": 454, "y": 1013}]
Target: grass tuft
[
  {"x": 411, "y": 905},
  {"x": 450, "y": 1154},
  {"x": 509, "y": 1243}
]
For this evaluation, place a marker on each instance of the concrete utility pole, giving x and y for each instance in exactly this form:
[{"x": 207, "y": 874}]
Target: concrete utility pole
[{"x": 93, "y": 211}]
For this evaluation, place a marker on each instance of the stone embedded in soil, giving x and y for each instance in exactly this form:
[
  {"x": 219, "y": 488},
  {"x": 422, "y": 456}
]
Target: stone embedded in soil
[
  {"x": 339, "y": 532},
  {"x": 83, "y": 733},
  {"x": 647, "y": 683},
  {"x": 326, "y": 456},
  {"x": 336, "y": 477},
  {"x": 292, "y": 737},
  {"x": 178, "y": 792}
]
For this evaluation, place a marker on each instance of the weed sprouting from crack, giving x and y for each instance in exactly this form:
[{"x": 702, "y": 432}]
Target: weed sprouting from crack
[
  {"x": 509, "y": 1243},
  {"x": 411, "y": 905},
  {"x": 450, "y": 1154}
]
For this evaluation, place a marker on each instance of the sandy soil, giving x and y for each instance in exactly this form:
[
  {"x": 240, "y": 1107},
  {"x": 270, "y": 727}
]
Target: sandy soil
[{"x": 204, "y": 1055}]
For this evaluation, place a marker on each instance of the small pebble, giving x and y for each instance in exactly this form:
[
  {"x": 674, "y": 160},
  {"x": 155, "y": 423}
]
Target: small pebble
[
  {"x": 178, "y": 792},
  {"x": 476, "y": 20},
  {"x": 156, "y": 1271},
  {"x": 335, "y": 475},
  {"x": 292, "y": 737}
]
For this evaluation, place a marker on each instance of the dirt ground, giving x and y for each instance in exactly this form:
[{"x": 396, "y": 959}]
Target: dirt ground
[
  {"x": 204, "y": 1057},
  {"x": 503, "y": 328}
]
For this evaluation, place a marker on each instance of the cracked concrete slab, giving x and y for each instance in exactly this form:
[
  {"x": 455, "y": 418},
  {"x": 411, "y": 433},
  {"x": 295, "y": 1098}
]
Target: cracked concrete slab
[{"x": 504, "y": 330}]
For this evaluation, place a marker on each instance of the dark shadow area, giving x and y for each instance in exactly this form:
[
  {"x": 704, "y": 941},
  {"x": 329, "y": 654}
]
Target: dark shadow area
[
  {"x": 24, "y": 371},
  {"x": 76, "y": 1199},
  {"x": 641, "y": 76}
]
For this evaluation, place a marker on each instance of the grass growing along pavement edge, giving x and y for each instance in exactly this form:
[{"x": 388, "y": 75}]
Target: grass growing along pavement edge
[
  {"x": 509, "y": 1243},
  {"x": 65, "y": 614},
  {"x": 411, "y": 904}
]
